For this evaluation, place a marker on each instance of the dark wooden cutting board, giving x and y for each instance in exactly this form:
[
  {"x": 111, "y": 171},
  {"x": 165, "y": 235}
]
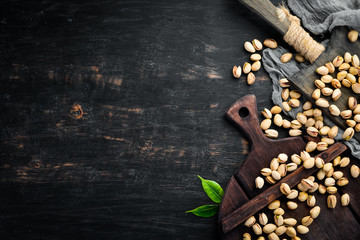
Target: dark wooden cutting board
[{"x": 241, "y": 188}]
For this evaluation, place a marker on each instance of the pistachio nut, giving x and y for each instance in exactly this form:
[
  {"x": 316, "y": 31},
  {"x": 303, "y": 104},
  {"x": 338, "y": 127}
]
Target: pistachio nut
[
  {"x": 347, "y": 57},
  {"x": 270, "y": 43},
  {"x": 314, "y": 212},
  {"x": 346, "y": 114},
  {"x": 291, "y": 205},
  {"x": 311, "y": 201},
  {"x": 334, "y": 110},
  {"x": 330, "y": 66},
  {"x": 351, "y": 78},
  {"x": 285, "y": 93},
  {"x": 324, "y": 130},
  {"x": 236, "y": 71},
  {"x": 335, "y": 83},
  {"x": 246, "y": 68},
  {"x": 290, "y": 221},
  {"x": 301, "y": 118},
  {"x": 342, "y": 181},
  {"x": 278, "y": 220},
  {"x": 356, "y": 88},
  {"x": 250, "y": 79},
  {"x": 354, "y": 70},
  {"x": 327, "y": 167},
  {"x": 295, "y": 132},
  {"x": 336, "y": 161},
  {"x": 333, "y": 132},
  {"x": 310, "y": 122},
  {"x": 291, "y": 232},
  {"x": 319, "y": 162},
  {"x": 265, "y": 171},
  {"x": 301, "y": 187},
  {"x": 326, "y": 78},
  {"x": 307, "y": 183},
  {"x": 345, "y": 199},
  {"x": 344, "y": 161},
  {"x": 300, "y": 58},
  {"x": 290, "y": 167},
  {"x": 259, "y": 182},
  {"x": 322, "y": 146},
  {"x": 304, "y": 155},
  {"x": 246, "y": 236},
  {"x": 315, "y": 188},
  {"x": 280, "y": 230},
  {"x": 320, "y": 174},
  {"x": 276, "y": 175},
  {"x": 250, "y": 221},
  {"x": 348, "y": 133},
  {"x": 322, "y": 189},
  {"x": 273, "y": 236},
  {"x": 293, "y": 102},
  {"x": 278, "y": 120},
  {"x": 322, "y": 102},
  {"x": 302, "y": 196},
  {"x": 319, "y": 124},
  {"x": 285, "y": 189},
  {"x": 306, "y": 221},
  {"x": 328, "y": 141},
  {"x": 316, "y": 94},
  {"x": 350, "y": 123},
  {"x": 274, "y": 164},
  {"x": 331, "y": 190},
  {"x": 353, "y": 35},
  {"x": 311, "y": 146},
  {"x": 331, "y": 201},
  {"x": 255, "y": 66},
  {"x": 255, "y": 57},
  {"x": 286, "y": 106},
  {"x": 357, "y": 127},
  {"x": 265, "y": 124},
  {"x": 357, "y": 118},
  {"x": 263, "y": 219},
  {"x": 270, "y": 180},
  {"x": 329, "y": 181},
  {"x": 355, "y": 61},
  {"x": 296, "y": 159},
  {"x": 346, "y": 83},
  {"x": 282, "y": 170},
  {"x": 341, "y": 75},
  {"x": 286, "y": 123},
  {"x": 354, "y": 170},
  {"x": 295, "y": 124},
  {"x": 257, "y": 45},
  {"x": 284, "y": 83},
  {"x": 261, "y": 238},
  {"x": 344, "y": 66},
  {"x": 336, "y": 94},
  {"x": 285, "y": 57},
  {"x": 309, "y": 163},
  {"x": 307, "y": 105},
  {"x": 249, "y": 47},
  {"x": 330, "y": 173},
  {"x": 257, "y": 229},
  {"x": 275, "y": 109},
  {"x": 269, "y": 228},
  {"x": 295, "y": 94},
  {"x": 338, "y": 61},
  {"x": 337, "y": 175},
  {"x": 279, "y": 211},
  {"x": 293, "y": 194},
  {"x": 302, "y": 229},
  {"x": 313, "y": 132},
  {"x": 327, "y": 91},
  {"x": 309, "y": 112},
  {"x": 322, "y": 70},
  {"x": 271, "y": 133},
  {"x": 274, "y": 205},
  {"x": 311, "y": 178}
]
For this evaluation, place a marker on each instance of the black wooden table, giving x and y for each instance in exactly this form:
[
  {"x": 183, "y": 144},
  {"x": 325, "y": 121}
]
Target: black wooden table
[{"x": 110, "y": 109}]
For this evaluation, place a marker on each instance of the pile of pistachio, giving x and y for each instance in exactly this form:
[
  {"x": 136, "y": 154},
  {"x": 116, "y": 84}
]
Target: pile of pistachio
[
  {"x": 279, "y": 167},
  {"x": 347, "y": 74},
  {"x": 248, "y": 68}
]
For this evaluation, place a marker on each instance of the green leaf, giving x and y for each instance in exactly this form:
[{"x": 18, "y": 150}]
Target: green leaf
[
  {"x": 205, "y": 210},
  {"x": 212, "y": 189}
]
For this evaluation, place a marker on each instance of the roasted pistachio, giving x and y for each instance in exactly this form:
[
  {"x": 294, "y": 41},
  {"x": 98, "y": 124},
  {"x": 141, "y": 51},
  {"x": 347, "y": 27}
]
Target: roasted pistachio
[
  {"x": 345, "y": 199},
  {"x": 249, "y": 47},
  {"x": 259, "y": 182},
  {"x": 331, "y": 201}
]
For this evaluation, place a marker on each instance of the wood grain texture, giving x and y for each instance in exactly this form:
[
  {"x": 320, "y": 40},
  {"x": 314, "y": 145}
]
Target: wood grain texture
[
  {"x": 304, "y": 79},
  {"x": 153, "y": 79}
]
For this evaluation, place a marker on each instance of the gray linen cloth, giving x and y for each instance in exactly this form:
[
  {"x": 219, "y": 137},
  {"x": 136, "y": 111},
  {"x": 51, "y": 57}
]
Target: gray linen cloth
[{"x": 318, "y": 16}]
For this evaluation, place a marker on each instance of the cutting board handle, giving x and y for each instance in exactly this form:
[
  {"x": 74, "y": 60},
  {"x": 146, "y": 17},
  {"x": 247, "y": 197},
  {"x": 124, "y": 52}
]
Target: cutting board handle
[
  {"x": 244, "y": 114},
  {"x": 266, "y": 10}
]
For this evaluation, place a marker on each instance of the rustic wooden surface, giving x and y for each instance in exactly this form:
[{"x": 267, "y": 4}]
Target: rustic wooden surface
[{"x": 109, "y": 110}]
